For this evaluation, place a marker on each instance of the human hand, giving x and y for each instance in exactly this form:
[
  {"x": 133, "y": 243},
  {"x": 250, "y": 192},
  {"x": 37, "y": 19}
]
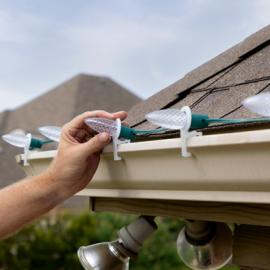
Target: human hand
[{"x": 79, "y": 152}]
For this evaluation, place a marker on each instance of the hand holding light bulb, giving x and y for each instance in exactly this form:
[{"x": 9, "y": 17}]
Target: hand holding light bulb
[
  {"x": 71, "y": 170},
  {"x": 79, "y": 151}
]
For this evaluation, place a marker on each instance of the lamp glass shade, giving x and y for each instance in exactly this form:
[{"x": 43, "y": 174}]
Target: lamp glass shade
[
  {"x": 19, "y": 140},
  {"x": 209, "y": 256},
  {"x": 51, "y": 132},
  {"x": 103, "y": 125},
  {"x": 168, "y": 118},
  {"x": 103, "y": 256},
  {"x": 259, "y": 104}
]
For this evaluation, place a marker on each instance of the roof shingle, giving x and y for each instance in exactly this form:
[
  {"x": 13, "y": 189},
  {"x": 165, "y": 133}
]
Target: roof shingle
[{"x": 218, "y": 86}]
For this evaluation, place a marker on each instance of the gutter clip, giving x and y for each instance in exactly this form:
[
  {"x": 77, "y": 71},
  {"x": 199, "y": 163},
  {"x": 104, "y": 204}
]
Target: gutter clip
[
  {"x": 116, "y": 141},
  {"x": 26, "y": 149},
  {"x": 185, "y": 134}
]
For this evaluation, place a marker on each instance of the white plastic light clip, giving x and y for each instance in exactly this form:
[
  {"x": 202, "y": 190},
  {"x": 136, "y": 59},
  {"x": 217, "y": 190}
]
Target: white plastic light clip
[
  {"x": 185, "y": 134},
  {"x": 21, "y": 141},
  {"x": 26, "y": 149},
  {"x": 112, "y": 127},
  {"x": 116, "y": 141}
]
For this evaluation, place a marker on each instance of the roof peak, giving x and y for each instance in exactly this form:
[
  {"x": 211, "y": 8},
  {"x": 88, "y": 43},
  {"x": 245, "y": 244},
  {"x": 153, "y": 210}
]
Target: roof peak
[
  {"x": 86, "y": 75},
  {"x": 75, "y": 81}
]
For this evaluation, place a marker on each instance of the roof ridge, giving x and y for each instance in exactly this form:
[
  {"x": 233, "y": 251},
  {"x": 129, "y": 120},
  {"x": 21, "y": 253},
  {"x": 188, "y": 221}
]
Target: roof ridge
[{"x": 66, "y": 82}]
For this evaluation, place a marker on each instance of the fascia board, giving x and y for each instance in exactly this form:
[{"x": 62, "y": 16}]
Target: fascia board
[{"x": 231, "y": 167}]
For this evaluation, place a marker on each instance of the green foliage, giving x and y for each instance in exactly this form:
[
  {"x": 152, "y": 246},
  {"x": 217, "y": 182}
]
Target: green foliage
[
  {"x": 159, "y": 252},
  {"x": 52, "y": 242}
]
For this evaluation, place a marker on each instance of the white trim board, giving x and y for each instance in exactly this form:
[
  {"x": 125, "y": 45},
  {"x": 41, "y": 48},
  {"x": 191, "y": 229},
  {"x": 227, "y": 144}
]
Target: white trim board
[{"x": 231, "y": 167}]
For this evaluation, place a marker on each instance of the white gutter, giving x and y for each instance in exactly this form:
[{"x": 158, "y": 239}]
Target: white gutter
[{"x": 231, "y": 167}]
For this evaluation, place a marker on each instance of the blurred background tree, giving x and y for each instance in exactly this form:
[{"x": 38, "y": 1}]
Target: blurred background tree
[{"x": 52, "y": 242}]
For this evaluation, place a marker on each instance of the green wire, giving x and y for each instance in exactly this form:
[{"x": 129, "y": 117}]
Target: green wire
[
  {"x": 47, "y": 141},
  {"x": 137, "y": 132},
  {"x": 237, "y": 121},
  {"x": 151, "y": 131}
]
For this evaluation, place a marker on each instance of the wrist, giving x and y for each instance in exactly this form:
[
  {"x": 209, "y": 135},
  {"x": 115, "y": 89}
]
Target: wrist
[
  {"x": 59, "y": 187},
  {"x": 55, "y": 191}
]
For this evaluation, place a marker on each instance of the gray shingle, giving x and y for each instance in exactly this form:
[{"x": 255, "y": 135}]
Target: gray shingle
[
  {"x": 220, "y": 103},
  {"x": 253, "y": 52}
]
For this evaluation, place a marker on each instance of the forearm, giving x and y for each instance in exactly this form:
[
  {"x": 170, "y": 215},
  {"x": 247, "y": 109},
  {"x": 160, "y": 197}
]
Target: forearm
[
  {"x": 26, "y": 200},
  {"x": 74, "y": 166}
]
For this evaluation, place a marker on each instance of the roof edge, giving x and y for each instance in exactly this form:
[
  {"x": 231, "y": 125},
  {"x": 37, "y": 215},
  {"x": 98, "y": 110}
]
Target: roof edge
[{"x": 205, "y": 71}]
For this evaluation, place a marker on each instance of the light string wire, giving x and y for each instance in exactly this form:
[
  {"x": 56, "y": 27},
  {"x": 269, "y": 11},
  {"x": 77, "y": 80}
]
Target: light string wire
[{"x": 237, "y": 121}]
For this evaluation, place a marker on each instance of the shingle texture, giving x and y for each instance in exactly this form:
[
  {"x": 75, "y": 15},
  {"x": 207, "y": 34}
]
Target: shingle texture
[
  {"x": 56, "y": 107},
  {"x": 217, "y": 87}
]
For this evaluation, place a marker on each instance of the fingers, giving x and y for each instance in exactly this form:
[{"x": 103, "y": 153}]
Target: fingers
[
  {"x": 78, "y": 122},
  {"x": 75, "y": 126},
  {"x": 82, "y": 135},
  {"x": 95, "y": 144},
  {"x": 121, "y": 115}
]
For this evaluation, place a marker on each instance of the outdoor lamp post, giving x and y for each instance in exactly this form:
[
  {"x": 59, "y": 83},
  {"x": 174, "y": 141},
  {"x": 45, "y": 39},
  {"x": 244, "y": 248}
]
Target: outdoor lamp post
[
  {"x": 115, "y": 255},
  {"x": 205, "y": 245}
]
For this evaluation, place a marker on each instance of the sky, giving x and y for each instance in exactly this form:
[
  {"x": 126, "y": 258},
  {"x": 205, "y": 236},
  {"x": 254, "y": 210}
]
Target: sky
[{"x": 145, "y": 45}]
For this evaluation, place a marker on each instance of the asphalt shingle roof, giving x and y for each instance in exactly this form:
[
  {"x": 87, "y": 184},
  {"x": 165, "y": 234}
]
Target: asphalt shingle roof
[{"x": 217, "y": 87}]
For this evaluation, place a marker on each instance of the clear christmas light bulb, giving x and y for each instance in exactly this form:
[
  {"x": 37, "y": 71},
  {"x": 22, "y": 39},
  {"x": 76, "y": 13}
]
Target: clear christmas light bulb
[
  {"x": 259, "y": 104},
  {"x": 51, "y": 132},
  {"x": 15, "y": 139},
  {"x": 169, "y": 118},
  {"x": 19, "y": 140},
  {"x": 112, "y": 127}
]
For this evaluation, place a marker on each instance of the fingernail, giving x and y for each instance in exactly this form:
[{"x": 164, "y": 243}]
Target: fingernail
[{"x": 104, "y": 137}]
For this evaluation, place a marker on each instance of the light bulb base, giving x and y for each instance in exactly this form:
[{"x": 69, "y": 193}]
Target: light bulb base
[
  {"x": 134, "y": 235},
  {"x": 35, "y": 143},
  {"x": 199, "y": 121},
  {"x": 200, "y": 237},
  {"x": 127, "y": 133}
]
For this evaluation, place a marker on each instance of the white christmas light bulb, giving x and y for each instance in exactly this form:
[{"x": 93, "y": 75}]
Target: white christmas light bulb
[
  {"x": 15, "y": 139},
  {"x": 19, "y": 140},
  {"x": 112, "y": 127},
  {"x": 259, "y": 104},
  {"x": 51, "y": 132},
  {"x": 169, "y": 118}
]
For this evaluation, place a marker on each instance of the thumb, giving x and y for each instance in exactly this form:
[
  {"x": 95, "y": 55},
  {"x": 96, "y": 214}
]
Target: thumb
[{"x": 95, "y": 144}]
